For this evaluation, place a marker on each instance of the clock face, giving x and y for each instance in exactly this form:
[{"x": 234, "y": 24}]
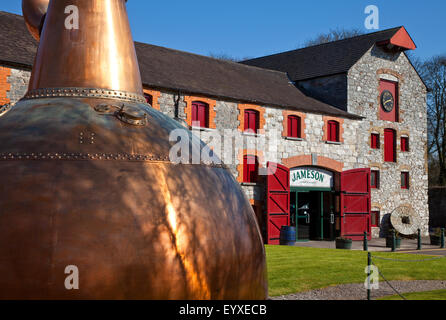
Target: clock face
[{"x": 387, "y": 101}]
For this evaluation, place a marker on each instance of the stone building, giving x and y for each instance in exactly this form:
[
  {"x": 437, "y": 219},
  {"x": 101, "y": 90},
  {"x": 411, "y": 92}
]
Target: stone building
[{"x": 343, "y": 162}]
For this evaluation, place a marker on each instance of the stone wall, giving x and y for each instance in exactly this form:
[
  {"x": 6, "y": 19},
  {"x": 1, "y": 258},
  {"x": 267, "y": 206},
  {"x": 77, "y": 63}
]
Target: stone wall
[
  {"x": 19, "y": 80},
  {"x": 363, "y": 99}
]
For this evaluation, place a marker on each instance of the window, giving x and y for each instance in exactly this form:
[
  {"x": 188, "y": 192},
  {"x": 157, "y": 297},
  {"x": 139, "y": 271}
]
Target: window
[
  {"x": 250, "y": 169},
  {"x": 251, "y": 121},
  {"x": 333, "y": 131},
  {"x": 405, "y": 144},
  {"x": 375, "y": 141},
  {"x": 200, "y": 114},
  {"x": 374, "y": 179},
  {"x": 376, "y": 219},
  {"x": 389, "y": 145},
  {"x": 149, "y": 98},
  {"x": 294, "y": 127},
  {"x": 405, "y": 180}
]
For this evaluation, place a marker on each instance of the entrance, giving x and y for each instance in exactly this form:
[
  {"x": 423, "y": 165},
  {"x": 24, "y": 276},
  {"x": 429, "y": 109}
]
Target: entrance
[
  {"x": 320, "y": 204},
  {"x": 313, "y": 214}
]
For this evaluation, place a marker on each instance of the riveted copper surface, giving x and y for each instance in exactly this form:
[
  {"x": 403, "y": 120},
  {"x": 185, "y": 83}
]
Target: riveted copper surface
[
  {"x": 82, "y": 188},
  {"x": 137, "y": 228}
]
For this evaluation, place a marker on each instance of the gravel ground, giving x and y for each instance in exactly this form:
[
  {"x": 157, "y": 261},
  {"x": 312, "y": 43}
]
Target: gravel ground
[{"x": 358, "y": 292}]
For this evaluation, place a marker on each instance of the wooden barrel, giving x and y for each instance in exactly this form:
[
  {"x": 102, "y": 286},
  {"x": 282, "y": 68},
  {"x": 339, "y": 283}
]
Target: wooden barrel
[{"x": 287, "y": 236}]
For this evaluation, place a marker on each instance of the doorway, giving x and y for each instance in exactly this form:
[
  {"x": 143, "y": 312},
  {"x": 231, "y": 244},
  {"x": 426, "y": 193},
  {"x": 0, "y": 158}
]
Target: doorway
[{"x": 313, "y": 214}]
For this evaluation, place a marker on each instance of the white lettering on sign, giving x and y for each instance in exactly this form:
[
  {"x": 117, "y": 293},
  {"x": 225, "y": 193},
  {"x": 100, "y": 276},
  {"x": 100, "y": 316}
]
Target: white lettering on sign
[{"x": 307, "y": 177}]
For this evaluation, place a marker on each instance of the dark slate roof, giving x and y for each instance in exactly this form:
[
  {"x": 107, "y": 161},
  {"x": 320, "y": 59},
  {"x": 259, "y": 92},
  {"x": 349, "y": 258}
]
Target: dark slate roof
[
  {"x": 165, "y": 68},
  {"x": 17, "y": 46},
  {"x": 324, "y": 59},
  {"x": 177, "y": 70}
]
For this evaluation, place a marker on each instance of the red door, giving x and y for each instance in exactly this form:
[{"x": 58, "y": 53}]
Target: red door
[
  {"x": 389, "y": 145},
  {"x": 355, "y": 204},
  {"x": 278, "y": 201}
]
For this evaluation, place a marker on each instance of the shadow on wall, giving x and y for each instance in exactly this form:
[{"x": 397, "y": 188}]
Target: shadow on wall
[
  {"x": 385, "y": 226},
  {"x": 437, "y": 207}
]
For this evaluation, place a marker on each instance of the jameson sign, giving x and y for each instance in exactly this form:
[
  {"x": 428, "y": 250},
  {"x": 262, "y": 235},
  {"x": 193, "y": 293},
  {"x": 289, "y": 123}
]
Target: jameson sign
[{"x": 307, "y": 177}]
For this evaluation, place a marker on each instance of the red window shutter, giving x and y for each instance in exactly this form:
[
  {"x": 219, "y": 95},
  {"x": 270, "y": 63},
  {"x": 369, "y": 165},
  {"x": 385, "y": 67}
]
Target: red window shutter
[
  {"x": 149, "y": 98},
  {"x": 333, "y": 131},
  {"x": 375, "y": 219},
  {"x": 250, "y": 168},
  {"x": 294, "y": 127},
  {"x": 389, "y": 145},
  {"x": 405, "y": 144},
  {"x": 375, "y": 179},
  {"x": 200, "y": 114},
  {"x": 404, "y": 180},
  {"x": 375, "y": 141},
  {"x": 251, "y": 121}
]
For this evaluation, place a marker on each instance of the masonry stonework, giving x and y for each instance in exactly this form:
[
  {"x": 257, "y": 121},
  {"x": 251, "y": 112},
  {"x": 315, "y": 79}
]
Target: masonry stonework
[
  {"x": 18, "y": 80},
  {"x": 363, "y": 100}
]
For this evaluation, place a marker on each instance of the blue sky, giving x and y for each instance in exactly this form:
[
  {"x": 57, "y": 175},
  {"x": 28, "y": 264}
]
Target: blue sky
[{"x": 248, "y": 28}]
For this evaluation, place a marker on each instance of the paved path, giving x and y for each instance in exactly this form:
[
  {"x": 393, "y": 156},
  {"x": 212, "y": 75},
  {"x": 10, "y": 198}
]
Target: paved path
[
  {"x": 429, "y": 252},
  {"x": 358, "y": 292},
  {"x": 375, "y": 245}
]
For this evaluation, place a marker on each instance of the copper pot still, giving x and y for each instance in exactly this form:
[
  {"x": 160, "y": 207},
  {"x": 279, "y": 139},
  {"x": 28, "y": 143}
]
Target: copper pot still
[{"x": 88, "y": 192}]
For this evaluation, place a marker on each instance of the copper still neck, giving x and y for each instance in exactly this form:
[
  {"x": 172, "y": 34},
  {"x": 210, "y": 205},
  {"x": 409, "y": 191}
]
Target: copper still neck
[{"x": 86, "y": 44}]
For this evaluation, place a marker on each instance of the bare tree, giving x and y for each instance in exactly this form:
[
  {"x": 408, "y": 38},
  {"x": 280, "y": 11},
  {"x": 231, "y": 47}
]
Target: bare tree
[
  {"x": 434, "y": 73},
  {"x": 333, "y": 35},
  {"x": 227, "y": 57}
]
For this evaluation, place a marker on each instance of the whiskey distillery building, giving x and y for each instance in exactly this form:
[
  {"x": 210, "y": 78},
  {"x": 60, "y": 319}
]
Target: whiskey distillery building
[{"x": 352, "y": 117}]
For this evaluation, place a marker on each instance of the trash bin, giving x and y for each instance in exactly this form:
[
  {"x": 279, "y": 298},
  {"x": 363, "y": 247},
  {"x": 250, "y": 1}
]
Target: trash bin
[{"x": 287, "y": 236}]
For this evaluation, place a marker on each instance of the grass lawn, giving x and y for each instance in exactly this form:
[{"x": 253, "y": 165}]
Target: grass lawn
[
  {"x": 428, "y": 295},
  {"x": 295, "y": 269}
]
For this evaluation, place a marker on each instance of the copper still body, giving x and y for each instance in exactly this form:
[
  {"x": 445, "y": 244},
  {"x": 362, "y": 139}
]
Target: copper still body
[{"x": 86, "y": 181}]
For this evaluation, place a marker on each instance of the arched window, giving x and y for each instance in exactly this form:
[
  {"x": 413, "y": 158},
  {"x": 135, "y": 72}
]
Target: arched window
[
  {"x": 250, "y": 169},
  {"x": 294, "y": 127},
  {"x": 333, "y": 131},
  {"x": 149, "y": 98},
  {"x": 251, "y": 121},
  {"x": 200, "y": 114},
  {"x": 389, "y": 145}
]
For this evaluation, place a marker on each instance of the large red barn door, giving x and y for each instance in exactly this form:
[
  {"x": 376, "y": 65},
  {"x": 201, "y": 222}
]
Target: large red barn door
[
  {"x": 278, "y": 201},
  {"x": 355, "y": 204}
]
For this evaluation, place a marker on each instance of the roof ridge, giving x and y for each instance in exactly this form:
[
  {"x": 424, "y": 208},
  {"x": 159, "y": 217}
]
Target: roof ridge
[
  {"x": 326, "y": 43},
  {"x": 11, "y": 13},
  {"x": 212, "y": 58}
]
